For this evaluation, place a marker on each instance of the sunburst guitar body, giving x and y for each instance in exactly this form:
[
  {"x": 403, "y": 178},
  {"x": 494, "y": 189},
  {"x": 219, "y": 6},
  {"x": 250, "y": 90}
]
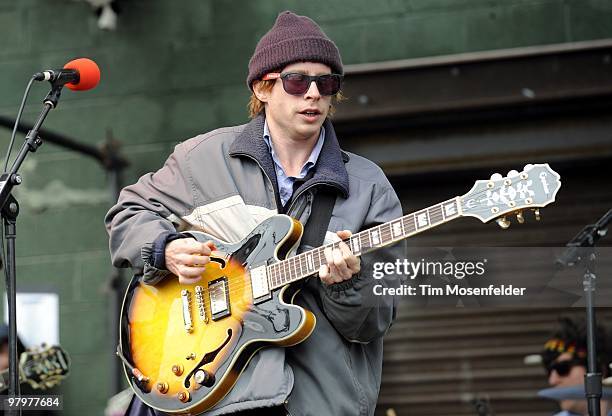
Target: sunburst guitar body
[{"x": 187, "y": 343}]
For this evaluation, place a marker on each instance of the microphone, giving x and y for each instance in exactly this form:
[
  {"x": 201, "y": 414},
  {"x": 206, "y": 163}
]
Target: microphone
[{"x": 78, "y": 75}]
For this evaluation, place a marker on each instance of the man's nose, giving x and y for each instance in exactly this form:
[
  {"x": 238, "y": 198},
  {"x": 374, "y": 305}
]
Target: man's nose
[
  {"x": 313, "y": 90},
  {"x": 553, "y": 378}
]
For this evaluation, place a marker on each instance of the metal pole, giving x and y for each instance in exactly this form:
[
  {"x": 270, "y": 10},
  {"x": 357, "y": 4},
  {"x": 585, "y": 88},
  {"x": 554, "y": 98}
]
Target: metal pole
[{"x": 592, "y": 379}]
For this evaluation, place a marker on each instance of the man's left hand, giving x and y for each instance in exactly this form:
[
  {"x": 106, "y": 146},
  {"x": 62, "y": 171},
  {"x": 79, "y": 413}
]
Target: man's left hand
[{"x": 342, "y": 264}]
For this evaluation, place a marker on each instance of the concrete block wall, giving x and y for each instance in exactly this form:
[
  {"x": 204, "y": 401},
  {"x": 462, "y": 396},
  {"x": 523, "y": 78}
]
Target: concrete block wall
[{"x": 172, "y": 70}]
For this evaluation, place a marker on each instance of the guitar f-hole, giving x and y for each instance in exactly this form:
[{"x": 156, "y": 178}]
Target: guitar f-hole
[
  {"x": 219, "y": 257},
  {"x": 221, "y": 262},
  {"x": 208, "y": 358}
]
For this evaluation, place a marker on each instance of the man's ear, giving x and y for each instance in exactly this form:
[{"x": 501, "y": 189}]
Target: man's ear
[{"x": 259, "y": 92}]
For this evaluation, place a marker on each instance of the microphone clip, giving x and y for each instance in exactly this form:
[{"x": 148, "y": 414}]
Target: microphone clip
[{"x": 54, "y": 95}]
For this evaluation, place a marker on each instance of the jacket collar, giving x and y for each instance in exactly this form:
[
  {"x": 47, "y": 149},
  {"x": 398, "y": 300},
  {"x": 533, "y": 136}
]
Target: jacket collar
[{"x": 329, "y": 170}]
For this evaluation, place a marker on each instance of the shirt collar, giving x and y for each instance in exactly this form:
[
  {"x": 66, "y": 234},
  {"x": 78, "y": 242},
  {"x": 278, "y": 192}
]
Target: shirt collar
[
  {"x": 312, "y": 159},
  {"x": 331, "y": 170}
]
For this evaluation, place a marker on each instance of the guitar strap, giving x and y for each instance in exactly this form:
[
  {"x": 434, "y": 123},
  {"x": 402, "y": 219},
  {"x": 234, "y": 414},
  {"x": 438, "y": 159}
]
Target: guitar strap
[{"x": 320, "y": 214}]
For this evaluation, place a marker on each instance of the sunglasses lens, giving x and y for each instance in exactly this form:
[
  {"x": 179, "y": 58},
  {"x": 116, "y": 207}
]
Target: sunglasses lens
[
  {"x": 328, "y": 84},
  {"x": 562, "y": 368},
  {"x": 296, "y": 84}
]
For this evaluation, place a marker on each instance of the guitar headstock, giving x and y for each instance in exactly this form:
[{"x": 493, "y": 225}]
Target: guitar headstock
[
  {"x": 535, "y": 187},
  {"x": 44, "y": 367}
]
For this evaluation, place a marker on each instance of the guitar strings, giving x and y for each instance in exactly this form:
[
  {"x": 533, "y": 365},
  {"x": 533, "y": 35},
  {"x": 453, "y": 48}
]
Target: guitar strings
[{"x": 279, "y": 271}]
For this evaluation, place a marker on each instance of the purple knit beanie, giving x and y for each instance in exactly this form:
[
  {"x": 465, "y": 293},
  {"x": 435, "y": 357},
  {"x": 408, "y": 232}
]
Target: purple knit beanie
[{"x": 292, "y": 39}]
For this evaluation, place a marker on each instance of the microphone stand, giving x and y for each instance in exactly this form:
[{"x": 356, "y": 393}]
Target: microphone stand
[
  {"x": 581, "y": 249},
  {"x": 9, "y": 208}
]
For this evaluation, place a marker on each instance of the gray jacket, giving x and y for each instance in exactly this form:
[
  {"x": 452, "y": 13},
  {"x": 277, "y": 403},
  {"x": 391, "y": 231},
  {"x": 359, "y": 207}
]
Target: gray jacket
[{"x": 224, "y": 183}]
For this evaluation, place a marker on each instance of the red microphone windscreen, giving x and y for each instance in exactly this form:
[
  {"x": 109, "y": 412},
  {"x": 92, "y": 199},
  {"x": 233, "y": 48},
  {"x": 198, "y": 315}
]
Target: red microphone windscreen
[{"x": 89, "y": 74}]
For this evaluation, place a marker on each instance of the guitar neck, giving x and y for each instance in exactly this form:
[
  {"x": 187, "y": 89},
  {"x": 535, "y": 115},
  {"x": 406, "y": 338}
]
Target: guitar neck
[{"x": 308, "y": 263}]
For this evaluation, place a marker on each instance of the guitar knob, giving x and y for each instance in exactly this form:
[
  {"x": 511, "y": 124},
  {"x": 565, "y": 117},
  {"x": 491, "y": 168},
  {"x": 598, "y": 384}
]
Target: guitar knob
[
  {"x": 513, "y": 173},
  {"x": 496, "y": 177},
  {"x": 204, "y": 378},
  {"x": 503, "y": 222},
  {"x": 184, "y": 396},
  {"x": 162, "y": 387},
  {"x": 177, "y": 369},
  {"x": 519, "y": 217}
]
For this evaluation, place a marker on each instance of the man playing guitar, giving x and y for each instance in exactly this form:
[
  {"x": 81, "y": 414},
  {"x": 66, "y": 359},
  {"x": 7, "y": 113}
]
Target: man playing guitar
[{"x": 227, "y": 181}]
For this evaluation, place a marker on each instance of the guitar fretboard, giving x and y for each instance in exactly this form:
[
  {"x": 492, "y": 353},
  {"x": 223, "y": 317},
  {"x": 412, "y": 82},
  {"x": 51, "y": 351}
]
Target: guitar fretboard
[{"x": 309, "y": 262}]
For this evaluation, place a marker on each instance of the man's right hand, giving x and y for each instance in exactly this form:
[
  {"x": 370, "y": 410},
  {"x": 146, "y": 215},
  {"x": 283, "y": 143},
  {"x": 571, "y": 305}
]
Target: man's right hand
[{"x": 187, "y": 258}]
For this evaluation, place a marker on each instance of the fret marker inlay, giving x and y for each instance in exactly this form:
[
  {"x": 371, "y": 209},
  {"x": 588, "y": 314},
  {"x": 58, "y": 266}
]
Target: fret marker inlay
[
  {"x": 375, "y": 237},
  {"x": 310, "y": 262},
  {"x": 355, "y": 244},
  {"x": 397, "y": 229},
  {"x": 422, "y": 220},
  {"x": 449, "y": 210}
]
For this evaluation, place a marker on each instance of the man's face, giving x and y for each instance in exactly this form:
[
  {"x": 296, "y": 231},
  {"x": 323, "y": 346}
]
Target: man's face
[
  {"x": 574, "y": 377},
  {"x": 298, "y": 117}
]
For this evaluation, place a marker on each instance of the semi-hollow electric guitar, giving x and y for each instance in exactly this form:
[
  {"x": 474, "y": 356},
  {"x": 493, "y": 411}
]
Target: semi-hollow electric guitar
[{"x": 184, "y": 346}]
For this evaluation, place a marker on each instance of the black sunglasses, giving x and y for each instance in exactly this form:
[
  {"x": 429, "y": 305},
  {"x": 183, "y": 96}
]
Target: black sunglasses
[
  {"x": 297, "y": 84},
  {"x": 564, "y": 367}
]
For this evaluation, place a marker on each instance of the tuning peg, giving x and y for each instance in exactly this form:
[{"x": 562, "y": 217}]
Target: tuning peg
[
  {"x": 496, "y": 177},
  {"x": 519, "y": 217},
  {"x": 503, "y": 222},
  {"x": 512, "y": 173},
  {"x": 536, "y": 212},
  {"x": 528, "y": 166}
]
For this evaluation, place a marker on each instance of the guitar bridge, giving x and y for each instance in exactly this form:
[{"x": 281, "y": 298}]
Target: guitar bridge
[{"x": 199, "y": 290}]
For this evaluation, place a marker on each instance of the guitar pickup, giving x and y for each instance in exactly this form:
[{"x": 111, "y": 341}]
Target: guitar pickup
[
  {"x": 260, "y": 286},
  {"x": 218, "y": 292}
]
